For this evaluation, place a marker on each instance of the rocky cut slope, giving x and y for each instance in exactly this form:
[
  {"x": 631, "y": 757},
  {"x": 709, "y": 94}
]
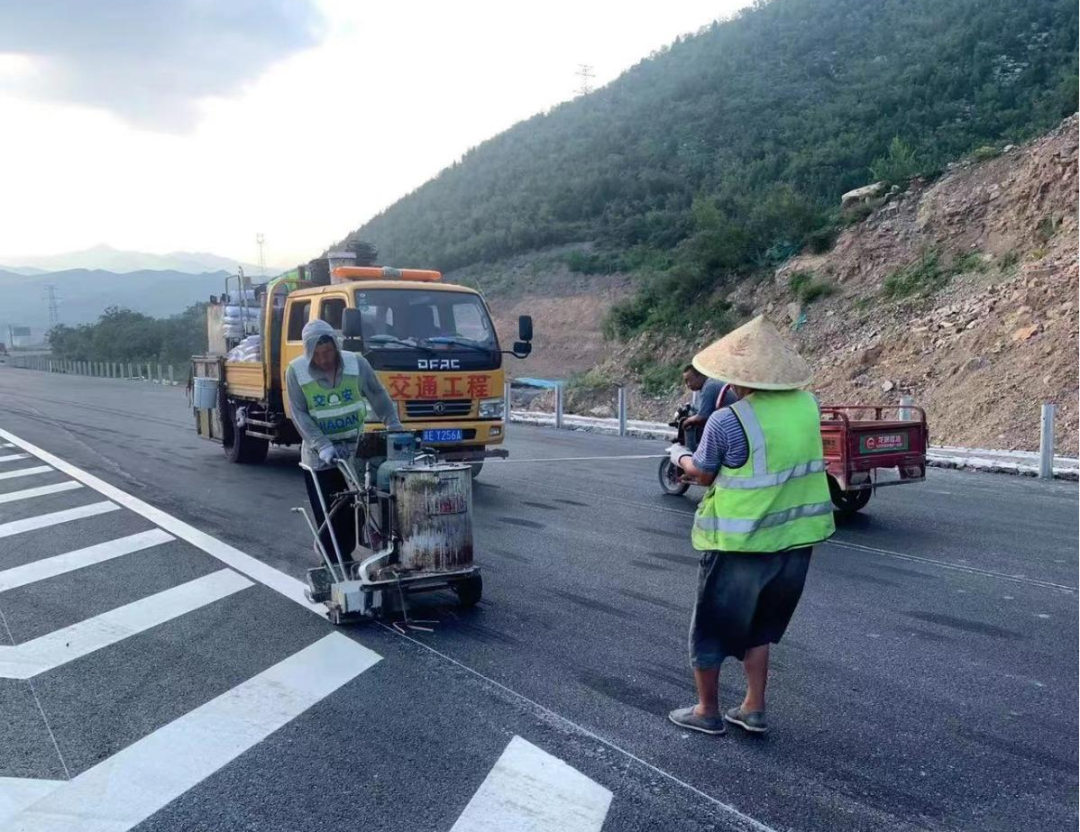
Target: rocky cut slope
[{"x": 961, "y": 293}]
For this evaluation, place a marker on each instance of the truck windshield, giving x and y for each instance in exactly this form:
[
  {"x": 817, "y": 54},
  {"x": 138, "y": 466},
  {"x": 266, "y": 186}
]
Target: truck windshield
[{"x": 402, "y": 319}]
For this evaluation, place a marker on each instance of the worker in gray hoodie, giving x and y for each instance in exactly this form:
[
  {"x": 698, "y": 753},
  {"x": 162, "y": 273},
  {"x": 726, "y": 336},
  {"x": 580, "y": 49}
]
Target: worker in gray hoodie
[{"x": 330, "y": 394}]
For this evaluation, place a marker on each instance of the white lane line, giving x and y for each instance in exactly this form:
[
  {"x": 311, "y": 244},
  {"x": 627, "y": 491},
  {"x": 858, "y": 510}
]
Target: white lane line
[
  {"x": 43, "y": 521},
  {"x": 13, "y": 457},
  {"x": 26, "y": 660},
  {"x": 16, "y": 793},
  {"x": 6, "y": 445},
  {"x": 528, "y": 790},
  {"x": 124, "y": 790},
  {"x": 40, "y": 491},
  {"x": 292, "y": 588},
  {"x": 25, "y": 472},
  {"x": 39, "y": 570}
]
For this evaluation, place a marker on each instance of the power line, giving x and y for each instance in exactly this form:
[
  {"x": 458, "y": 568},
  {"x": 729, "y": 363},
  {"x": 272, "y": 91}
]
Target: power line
[{"x": 585, "y": 73}]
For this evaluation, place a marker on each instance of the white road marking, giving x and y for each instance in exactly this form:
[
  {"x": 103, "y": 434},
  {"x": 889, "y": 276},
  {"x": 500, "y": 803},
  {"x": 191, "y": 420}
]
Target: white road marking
[
  {"x": 40, "y": 491},
  {"x": 25, "y": 472},
  {"x": 16, "y": 793},
  {"x": 292, "y": 588},
  {"x": 528, "y": 790},
  {"x": 39, "y": 570},
  {"x": 43, "y": 521},
  {"x": 122, "y": 791},
  {"x": 6, "y": 445},
  {"x": 13, "y": 457},
  {"x": 26, "y": 660}
]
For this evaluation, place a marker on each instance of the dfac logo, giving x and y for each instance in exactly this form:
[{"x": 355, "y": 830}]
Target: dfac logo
[{"x": 438, "y": 363}]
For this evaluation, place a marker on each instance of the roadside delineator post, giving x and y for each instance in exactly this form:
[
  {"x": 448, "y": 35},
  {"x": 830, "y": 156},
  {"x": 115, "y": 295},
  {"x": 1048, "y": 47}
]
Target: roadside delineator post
[
  {"x": 622, "y": 411},
  {"x": 1046, "y": 442},
  {"x": 506, "y": 406},
  {"x": 558, "y": 405}
]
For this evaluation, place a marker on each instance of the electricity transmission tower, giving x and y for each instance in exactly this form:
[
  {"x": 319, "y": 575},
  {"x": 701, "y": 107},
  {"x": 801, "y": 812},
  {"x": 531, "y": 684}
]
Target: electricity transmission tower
[
  {"x": 260, "y": 240},
  {"x": 54, "y": 305},
  {"x": 585, "y": 73}
]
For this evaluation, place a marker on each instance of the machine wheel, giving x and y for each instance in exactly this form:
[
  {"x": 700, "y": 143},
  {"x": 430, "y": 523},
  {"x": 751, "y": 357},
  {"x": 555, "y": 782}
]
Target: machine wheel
[
  {"x": 239, "y": 447},
  {"x": 669, "y": 479},
  {"x": 475, "y": 468},
  {"x": 470, "y": 590},
  {"x": 848, "y": 502}
]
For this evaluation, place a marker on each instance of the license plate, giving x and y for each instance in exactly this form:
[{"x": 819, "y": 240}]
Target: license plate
[
  {"x": 444, "y": 435},
  {"x": 883, "y": 443}
]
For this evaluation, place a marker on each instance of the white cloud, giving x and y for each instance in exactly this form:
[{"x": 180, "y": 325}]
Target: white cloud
[{"x": 150, "y": 61}]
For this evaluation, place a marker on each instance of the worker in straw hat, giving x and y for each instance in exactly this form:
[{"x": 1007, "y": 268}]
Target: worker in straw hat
[{"x": 767, "y": 504}]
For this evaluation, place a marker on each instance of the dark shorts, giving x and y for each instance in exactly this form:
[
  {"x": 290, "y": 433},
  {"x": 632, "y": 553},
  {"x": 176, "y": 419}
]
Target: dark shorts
[{"x": 744, "y": 600}]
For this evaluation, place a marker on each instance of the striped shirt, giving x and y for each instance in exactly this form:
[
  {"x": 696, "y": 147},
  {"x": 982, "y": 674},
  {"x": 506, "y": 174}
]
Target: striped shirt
[{"x": 723, "y": 442}]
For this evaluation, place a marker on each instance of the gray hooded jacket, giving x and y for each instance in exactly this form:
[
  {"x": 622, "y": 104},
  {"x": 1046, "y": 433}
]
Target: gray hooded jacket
[{"x": 314, "y": 439}]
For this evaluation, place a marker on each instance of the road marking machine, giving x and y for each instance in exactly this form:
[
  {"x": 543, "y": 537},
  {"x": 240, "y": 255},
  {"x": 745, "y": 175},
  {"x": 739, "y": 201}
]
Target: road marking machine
[{"x": 413, "y": 531}]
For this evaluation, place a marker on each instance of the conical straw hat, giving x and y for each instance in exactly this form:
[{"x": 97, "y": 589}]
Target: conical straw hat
[{"x": 755, "y": 355}]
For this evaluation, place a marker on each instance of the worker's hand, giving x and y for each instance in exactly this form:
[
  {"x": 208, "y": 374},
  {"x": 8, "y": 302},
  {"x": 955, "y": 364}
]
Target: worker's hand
[
  {"x": 677, "y": 452},
  {"x": 328, "y": 455}
]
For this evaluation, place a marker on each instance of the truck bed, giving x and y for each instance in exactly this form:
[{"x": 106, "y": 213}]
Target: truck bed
[{"x": 245, "y": 380}]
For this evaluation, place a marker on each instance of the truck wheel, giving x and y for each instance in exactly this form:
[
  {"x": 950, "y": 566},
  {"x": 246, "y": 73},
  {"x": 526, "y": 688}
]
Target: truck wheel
[
  {"x": 470, "y": 590},
  {"x": 669, "y": 479},
  {"x": 848, "y": 502},
  {"x": 475, "y": 468},
  {"x": 239, "y": 447}
]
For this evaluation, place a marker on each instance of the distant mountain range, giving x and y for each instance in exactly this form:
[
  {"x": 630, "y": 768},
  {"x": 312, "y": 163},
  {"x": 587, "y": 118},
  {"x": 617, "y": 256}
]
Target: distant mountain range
[
  {"x": 83, "y": 294},
  {"x": 124, "y": 262}
]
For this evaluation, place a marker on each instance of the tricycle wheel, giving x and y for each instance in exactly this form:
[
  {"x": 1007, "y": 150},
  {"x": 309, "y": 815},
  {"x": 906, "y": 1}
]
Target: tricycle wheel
[
  {"x": 669, "y": 479},
  {"x": 470, "y": 590},
  {"x": 848, "y": 502}
]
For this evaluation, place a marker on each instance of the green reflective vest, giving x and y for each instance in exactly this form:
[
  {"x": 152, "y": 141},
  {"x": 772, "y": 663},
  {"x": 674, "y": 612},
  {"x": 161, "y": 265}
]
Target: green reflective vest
[
  {"x": 779, "y": 499},
  {"x": 339, "y": 411}
]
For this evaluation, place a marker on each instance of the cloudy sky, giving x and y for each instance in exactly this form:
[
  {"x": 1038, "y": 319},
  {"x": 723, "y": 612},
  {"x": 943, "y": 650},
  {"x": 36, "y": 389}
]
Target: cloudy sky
[{"x": 164, "y": 125}]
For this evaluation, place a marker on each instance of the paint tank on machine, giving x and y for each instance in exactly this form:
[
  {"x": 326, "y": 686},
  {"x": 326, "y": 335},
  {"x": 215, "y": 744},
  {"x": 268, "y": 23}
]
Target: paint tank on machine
[{"x": 433, "y": 516}]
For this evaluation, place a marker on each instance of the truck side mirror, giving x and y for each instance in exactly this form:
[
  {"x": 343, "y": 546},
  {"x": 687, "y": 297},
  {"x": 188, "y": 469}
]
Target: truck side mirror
[
  {"x": 350, "y": 323},
  {"x": 525, "y": 329},
  {"x": 522, "y": 349}
]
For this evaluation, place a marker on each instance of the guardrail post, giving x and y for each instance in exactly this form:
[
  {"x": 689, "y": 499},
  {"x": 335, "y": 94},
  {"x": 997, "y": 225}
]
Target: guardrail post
[
  {"x": 172, "y": 379},
  {"x": 160, "y": 375},
  {"x": 1046, "y": 442},
  {"x": 506, "y": 406},
  {"x": 622, "y": 411},
  {"x": 558, "y": 406},
  {"x": 906, "y": 413}
]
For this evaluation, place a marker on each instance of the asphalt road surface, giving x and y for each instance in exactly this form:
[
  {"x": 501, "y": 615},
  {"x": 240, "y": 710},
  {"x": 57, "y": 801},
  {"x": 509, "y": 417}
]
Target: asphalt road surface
[{"x": 159, "y": 669}]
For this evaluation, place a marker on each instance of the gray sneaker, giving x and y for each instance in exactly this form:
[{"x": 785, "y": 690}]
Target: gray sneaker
[
  {"x": 752, "y": 721},
  {"x": 686, "y": 718}
]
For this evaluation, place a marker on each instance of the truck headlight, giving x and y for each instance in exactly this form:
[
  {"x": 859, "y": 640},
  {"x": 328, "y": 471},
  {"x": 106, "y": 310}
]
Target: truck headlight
[{"x": 491, "y": 408}]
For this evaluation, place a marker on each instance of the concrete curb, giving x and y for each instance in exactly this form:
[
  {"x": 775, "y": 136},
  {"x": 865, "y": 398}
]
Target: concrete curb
[{"x": 1017, "y": 463}]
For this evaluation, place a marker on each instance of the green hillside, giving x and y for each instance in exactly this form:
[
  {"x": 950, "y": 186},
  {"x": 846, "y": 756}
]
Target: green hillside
[{"x": 728, "y": 151}]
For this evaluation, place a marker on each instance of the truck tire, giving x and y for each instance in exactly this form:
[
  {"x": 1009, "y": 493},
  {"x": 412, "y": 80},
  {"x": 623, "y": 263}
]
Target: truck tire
[
  {"x": 848, "y": 503},
  {"x": 475, "y": 468},
  {"x": 239, "y": 447}
]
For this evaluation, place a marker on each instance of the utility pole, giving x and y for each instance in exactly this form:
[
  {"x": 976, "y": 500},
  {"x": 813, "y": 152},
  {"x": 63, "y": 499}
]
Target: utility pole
[
  {"x": 585, "y": 73},
  {"x": 54, "y": 307},
  {"x": 260, "y": 240}
]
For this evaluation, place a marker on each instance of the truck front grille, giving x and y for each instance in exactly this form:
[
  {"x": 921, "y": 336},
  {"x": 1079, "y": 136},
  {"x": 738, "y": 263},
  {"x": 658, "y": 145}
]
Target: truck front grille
[{"x": 441, "y": 409}]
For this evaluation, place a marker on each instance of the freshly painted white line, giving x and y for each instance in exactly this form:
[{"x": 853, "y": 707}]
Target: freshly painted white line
[
  {"x": 25, "y": 472},
  {"x": 6, "y": 445},
  {"x": 42, "y": 521},
  {"x": 26, "y": 660},
  {"x": 13, "y": 457},
  {"x": 292, "y": 588},
  {"x": 529, "y": 790},
  {"x": 39, "y": 570},
  {"x": 16, "y": 793},
  {"x": 122, "y": 791},
  {"x": 40, "y": 491}
]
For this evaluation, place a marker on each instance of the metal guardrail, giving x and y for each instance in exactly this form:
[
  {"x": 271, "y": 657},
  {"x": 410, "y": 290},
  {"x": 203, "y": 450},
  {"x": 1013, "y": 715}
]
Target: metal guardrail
[{"x": 151, "y": 371}]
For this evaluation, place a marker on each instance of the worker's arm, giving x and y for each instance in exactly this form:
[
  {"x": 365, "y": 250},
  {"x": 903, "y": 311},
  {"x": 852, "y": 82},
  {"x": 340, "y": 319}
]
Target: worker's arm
[
  {"x": 723, "y": 443},
  {"x": 305, "y": 425},
  {"x": 377, "y": 397}
]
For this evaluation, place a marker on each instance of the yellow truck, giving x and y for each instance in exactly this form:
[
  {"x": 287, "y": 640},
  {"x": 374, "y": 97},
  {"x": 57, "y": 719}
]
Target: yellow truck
[{"x": 432, "y": 344}]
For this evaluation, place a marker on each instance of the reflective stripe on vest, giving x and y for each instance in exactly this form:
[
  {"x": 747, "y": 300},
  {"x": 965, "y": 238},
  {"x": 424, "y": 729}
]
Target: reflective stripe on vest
[{"x": 779, "y": 498}]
